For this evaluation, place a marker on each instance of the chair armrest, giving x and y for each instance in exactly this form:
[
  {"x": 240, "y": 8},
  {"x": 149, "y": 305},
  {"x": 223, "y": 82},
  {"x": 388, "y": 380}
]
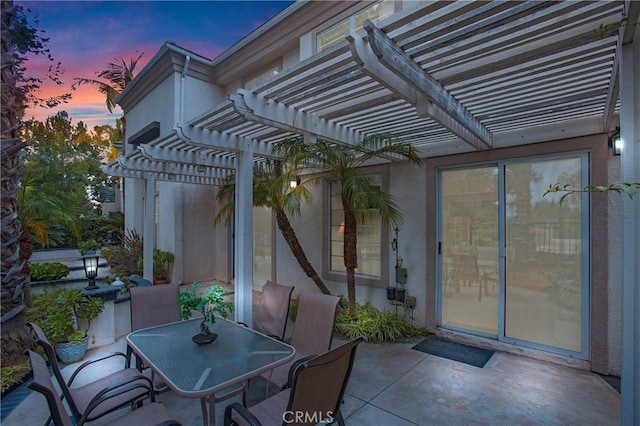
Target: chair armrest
[
  {"x": 137, "y": 382},
  {"x": 93, "y": 361},
  {"x": 293, "y": 368},
  {"x": 170, "y": 423},
  {"x": 243, "y": 412}
]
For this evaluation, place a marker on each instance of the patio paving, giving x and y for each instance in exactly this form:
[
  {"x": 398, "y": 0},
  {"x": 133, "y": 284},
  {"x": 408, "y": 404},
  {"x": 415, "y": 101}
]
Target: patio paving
[{"x": 392, "y": 384}]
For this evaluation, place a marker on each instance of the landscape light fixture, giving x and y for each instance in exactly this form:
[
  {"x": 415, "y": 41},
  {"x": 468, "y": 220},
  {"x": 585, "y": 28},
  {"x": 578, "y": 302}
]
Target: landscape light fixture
[
  {"x": 293, "y": 183},
  {"x": 90, "y": 260}
]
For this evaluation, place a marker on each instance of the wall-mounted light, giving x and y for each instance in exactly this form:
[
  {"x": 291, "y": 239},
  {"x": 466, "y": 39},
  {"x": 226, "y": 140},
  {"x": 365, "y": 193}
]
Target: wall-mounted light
[
  {"x": 293, "y": 183},
  {"x": 615, "y": 142},
  {"x": 617, "y": 146}
]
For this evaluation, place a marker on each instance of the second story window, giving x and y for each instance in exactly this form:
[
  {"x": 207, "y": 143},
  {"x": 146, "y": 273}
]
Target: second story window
[{"x": 334, "y": 34}]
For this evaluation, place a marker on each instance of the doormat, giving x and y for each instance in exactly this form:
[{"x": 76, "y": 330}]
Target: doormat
[{"x": 433, "y": 345}]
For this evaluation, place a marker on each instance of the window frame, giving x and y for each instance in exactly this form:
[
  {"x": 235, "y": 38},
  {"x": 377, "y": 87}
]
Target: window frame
[
  {"x": 347, "y": 16},
  {"x": 366, "y": 280}
]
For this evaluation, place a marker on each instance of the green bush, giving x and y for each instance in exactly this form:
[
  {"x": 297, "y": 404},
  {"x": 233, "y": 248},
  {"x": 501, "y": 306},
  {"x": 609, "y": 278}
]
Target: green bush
[
  {"x": 48, "y": 271},
  {"x": 375, "y": 325},
  {"x": 371, "y": 323},
  {"x": 126, "y": 258},
  {"x": 12, "y": 375},
  {"x": 58, "y": 314}
]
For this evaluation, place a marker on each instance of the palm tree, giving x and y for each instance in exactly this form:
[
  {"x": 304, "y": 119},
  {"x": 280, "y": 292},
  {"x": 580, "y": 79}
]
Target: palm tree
[
  {"x": 271, "y": 188},
  {"x": 361, "y": 200},
  {"x": 13, "y": 279},
  {"x": 117, "y": 75}
]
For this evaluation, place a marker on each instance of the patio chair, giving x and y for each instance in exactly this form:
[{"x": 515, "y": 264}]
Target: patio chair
[
  {"x": 313, "y": 395},
  {"x": 312, "y": 331},
  {"x": 273, "y": 310},
  {"x": 152, "y": 306},
  {"x": 150, "y": 414},
  {"x": 466, "y": 272},
  {"x": 99, "y": 397}
]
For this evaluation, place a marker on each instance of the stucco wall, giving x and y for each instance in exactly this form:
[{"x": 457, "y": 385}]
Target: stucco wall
[
  {"x": 404, "y": 182},
  {"x": 614, "y": 228}
]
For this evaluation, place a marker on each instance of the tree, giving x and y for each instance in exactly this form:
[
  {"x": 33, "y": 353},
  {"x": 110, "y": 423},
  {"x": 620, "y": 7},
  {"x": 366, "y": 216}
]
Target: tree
[
  {"x": 62, "y": 181},
  {"x": 19, "y": 39},
  {"x": 12, "y": 278},
  {"x": 271, "y": 188},
  {"x": 118, "y": 75},
  {"x": 361, "y": 200}
]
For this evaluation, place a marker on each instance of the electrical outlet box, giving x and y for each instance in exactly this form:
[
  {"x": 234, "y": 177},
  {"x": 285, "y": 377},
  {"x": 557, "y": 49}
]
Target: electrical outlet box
[
  {"x": 401, "y": 275},
  {"x": 410, "y": 302}
]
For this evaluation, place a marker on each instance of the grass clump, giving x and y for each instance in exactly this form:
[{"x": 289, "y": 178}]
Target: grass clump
[
  {"x": 374, "y": 325},
  {"x": 371, "y": 323},
  {"x": 13, "y": 375}
]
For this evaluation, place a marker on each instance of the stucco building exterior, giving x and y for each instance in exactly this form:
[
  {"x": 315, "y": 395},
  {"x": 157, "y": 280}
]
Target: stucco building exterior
[{"x": 501, "y": 100}]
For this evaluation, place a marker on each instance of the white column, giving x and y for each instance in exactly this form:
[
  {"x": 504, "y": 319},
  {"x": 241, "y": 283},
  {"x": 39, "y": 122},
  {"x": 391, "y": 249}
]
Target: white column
[
  {"x": 630, "y": 172},
  {"x": 149, "y": 227},
  {"x": 243, "y": 232}
]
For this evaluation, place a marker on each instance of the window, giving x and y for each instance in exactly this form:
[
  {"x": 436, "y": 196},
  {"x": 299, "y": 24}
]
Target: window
[
  {"x": 334, "y": 34},
  {"x": 369, "y": 237}
]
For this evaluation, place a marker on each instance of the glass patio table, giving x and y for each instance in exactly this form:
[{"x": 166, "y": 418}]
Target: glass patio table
[{"x": 199, "y": 371}]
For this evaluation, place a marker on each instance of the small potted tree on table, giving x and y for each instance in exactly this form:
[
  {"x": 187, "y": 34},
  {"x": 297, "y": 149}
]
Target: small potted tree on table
[{"x": 208, "y": 303}]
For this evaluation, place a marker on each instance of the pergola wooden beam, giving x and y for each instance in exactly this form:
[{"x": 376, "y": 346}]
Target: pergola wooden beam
[
  {"x": 186, "y": 156},
  {"x": 435, "y": 100},
  {"x": 214, "y": 139},
  {"x": 171, "y": 168},
  {"x": 255, "y": 107},
  {"x": 115, "y": 169},
  {"x": 625, "y": 35}
]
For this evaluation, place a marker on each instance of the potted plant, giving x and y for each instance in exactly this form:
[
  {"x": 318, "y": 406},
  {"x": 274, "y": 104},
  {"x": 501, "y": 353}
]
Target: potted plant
[
  {"x": 65, "y": 317},
  {"x": 207, "y": 303},
  {"x": 162, "y": 260}
]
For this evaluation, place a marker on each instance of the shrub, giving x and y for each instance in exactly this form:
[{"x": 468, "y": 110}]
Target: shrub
[
  {"x": 48, "y": 271},
  {"x": 127, "y": 257},
  {"x": 58, "y": 314},
  {"x": 12, "y": 375},
  {"x": 375, "y": 325}
]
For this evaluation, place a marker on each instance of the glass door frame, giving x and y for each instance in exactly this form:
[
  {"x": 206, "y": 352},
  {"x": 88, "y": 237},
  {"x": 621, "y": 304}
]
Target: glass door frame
[{"x": 586, "y": 263}]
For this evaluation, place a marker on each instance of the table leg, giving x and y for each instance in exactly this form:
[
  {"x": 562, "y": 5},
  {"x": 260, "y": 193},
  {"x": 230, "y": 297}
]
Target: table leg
[
  {"x": 208, "y": 415},
  {"x": 212, "y": 410}
]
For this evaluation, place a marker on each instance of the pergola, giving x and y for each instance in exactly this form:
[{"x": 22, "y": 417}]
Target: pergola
[{"x": 448, "y": 77}]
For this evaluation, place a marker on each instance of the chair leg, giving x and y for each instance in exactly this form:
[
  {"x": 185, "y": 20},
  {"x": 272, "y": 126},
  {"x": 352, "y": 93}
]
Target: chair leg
[{"x": 339, "y": 418}]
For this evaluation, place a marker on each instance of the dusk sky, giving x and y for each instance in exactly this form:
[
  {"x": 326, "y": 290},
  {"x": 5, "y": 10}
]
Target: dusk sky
[{"x": 85, "y": 35}]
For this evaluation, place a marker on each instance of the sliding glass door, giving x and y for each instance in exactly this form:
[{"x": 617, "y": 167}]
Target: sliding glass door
[
  {"x": 513, "y": 262},
  {"x": 469, "y": 249}
]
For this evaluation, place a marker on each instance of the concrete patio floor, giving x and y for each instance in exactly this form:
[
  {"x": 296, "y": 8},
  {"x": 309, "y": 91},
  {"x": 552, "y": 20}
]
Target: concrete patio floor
[{"x": 392, "y": 384}]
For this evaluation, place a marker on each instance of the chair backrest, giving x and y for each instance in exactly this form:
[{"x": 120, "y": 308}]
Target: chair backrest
[
  {"x": 41, "y": 339},
  {"x": 313, "y": 328},
  {"x": 318, "y": 385},
  {"x": 42, "y": 383},
  {"x": 465, "y": 267},
  {"x": 156, "y": 305},
  {"x": 273, "y": 310}
]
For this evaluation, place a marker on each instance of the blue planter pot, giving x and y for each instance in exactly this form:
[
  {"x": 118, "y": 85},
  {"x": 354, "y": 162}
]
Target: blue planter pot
[{"x": 73, "y": 351}]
